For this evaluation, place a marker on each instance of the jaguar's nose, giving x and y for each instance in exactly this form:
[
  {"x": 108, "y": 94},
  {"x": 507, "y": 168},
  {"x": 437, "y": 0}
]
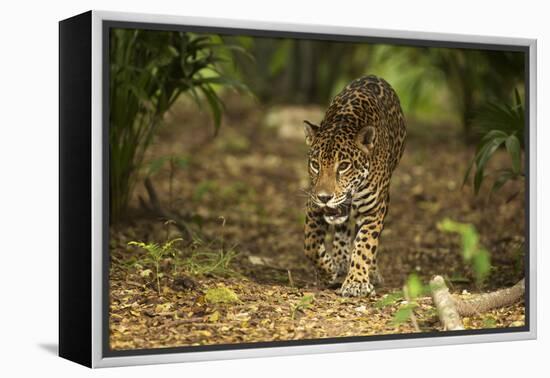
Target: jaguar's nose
[{"x": 324, "y": 197}]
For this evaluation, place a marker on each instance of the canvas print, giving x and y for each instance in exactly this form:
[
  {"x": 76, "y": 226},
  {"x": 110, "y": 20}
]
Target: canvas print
[{"x": 286, "y": 189}]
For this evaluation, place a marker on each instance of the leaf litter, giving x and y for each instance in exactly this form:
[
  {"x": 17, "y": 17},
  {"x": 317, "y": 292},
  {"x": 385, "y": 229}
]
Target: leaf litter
[{"x": 248, "y": 280}]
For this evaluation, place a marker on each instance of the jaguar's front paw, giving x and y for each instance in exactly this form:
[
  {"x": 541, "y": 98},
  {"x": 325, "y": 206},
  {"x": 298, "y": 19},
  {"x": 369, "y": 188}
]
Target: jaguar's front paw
[
  {"x": 335, "y": 281},
  {"x": 326, "y": 277},
  {"x": 331, "y": 279},
  {"x": 356, "y": 289}
]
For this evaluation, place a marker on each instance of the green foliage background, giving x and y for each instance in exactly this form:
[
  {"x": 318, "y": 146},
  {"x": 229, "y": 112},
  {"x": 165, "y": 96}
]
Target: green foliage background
[{"x": 434, "y": 84}]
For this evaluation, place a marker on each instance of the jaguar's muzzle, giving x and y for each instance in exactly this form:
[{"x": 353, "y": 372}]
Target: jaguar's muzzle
[{"x": 336, "y": 215}]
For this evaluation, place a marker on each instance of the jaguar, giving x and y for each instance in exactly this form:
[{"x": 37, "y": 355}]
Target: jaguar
[{"x": 352, "y": 155}]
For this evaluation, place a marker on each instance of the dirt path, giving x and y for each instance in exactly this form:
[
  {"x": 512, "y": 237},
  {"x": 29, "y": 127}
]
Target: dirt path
[{"x": 243, "y": 191}]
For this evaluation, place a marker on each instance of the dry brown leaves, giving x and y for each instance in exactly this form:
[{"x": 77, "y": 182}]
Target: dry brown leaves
[{"x": 254, "y": 177}]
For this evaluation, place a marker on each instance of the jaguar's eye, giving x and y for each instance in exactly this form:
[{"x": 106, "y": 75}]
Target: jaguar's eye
[
  {"x": 314, "y": 166},
  {"x": 344, "y": 166}
]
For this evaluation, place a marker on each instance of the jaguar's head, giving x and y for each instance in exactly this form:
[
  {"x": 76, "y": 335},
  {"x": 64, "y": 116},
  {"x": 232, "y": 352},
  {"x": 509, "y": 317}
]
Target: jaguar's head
[{"x": 338, "y": 163}]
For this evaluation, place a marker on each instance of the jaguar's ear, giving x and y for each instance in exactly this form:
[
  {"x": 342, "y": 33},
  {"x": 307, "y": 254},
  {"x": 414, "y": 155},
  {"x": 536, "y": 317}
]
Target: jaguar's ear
[
  {"x": 311, "y": 131},
  {"x": 366, "y": 138}
]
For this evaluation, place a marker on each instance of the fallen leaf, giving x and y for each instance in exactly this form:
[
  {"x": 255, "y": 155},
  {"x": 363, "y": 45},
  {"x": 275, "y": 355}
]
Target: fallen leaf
[
  {"x": 361, "y": 309},
  {"x": 146, "y": 273},
  {"x": 221, "y": 295},
  {"x": 165, "y": 307},
  {"x": 214, "y": 317}
]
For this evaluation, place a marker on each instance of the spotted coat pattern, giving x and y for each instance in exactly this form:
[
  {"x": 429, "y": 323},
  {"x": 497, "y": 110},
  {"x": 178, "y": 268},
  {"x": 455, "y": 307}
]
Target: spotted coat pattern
[{"x": 352, "y": 156}]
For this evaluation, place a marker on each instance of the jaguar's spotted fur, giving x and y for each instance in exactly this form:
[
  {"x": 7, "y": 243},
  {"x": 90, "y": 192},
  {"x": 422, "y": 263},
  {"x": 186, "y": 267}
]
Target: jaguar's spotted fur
[{"x": 352, "y": 156}]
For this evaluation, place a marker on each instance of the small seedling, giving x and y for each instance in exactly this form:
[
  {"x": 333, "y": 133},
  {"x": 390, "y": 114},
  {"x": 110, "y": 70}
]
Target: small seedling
[
  {"x": 472, "y": 250},
  {"x": 389, "y": 299},
  {"x": 156, "y": 253},
  {"x": 304, "y": 303},
  {"x": 206, "y": 262},
  {"x": 206, "y": 259},
  {"x": 404, "y": 313},
  {"x": 209, "y": 259},
  {"x": 411, "y": 291}
]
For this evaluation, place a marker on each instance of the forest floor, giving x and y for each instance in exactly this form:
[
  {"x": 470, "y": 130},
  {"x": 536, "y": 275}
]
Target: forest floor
[{"x": 241, "y": 194}]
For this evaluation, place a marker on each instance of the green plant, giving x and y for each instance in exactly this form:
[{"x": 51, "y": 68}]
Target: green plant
[
  {"x": 472, "y": 250},
  {"x": 156, "y": 253},
  {"x": 389, "y": 299},
  {"x": 500, "y": 125},
  {"x": 206, "y": 259},
  {"x": 474, "y": 76},
  {"x": 406, "y": 299},
  {"x": 304, "y": 303},
  {"x": 411, "y": 291},
  {"x": 148, "y": 72},
  {"x": 199, "y": 258},
  {"x": 489, "y": 322},
  {"x": 447, "y": 84}
]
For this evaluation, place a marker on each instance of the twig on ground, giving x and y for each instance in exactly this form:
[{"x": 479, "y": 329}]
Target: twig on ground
[
  {"x": 445, "y": 305},
  {"x": 290, "y": 280},
  {"x": 490, "y": 301}
]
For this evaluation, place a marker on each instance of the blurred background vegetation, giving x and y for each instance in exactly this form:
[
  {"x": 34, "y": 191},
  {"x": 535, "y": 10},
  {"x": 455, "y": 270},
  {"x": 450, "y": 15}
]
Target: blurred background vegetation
[
  {"x": 208, "y": 174},
  {"x": 480, "y": 91},
  {"x": 434, "y": 84}
]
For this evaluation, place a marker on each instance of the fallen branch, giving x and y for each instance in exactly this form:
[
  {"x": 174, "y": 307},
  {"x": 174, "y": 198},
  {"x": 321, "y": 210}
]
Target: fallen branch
[
  {"x": 448, "y": 314},
  {"x": 451, "y": 308},
  {"x": 490, "y": 301}
]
